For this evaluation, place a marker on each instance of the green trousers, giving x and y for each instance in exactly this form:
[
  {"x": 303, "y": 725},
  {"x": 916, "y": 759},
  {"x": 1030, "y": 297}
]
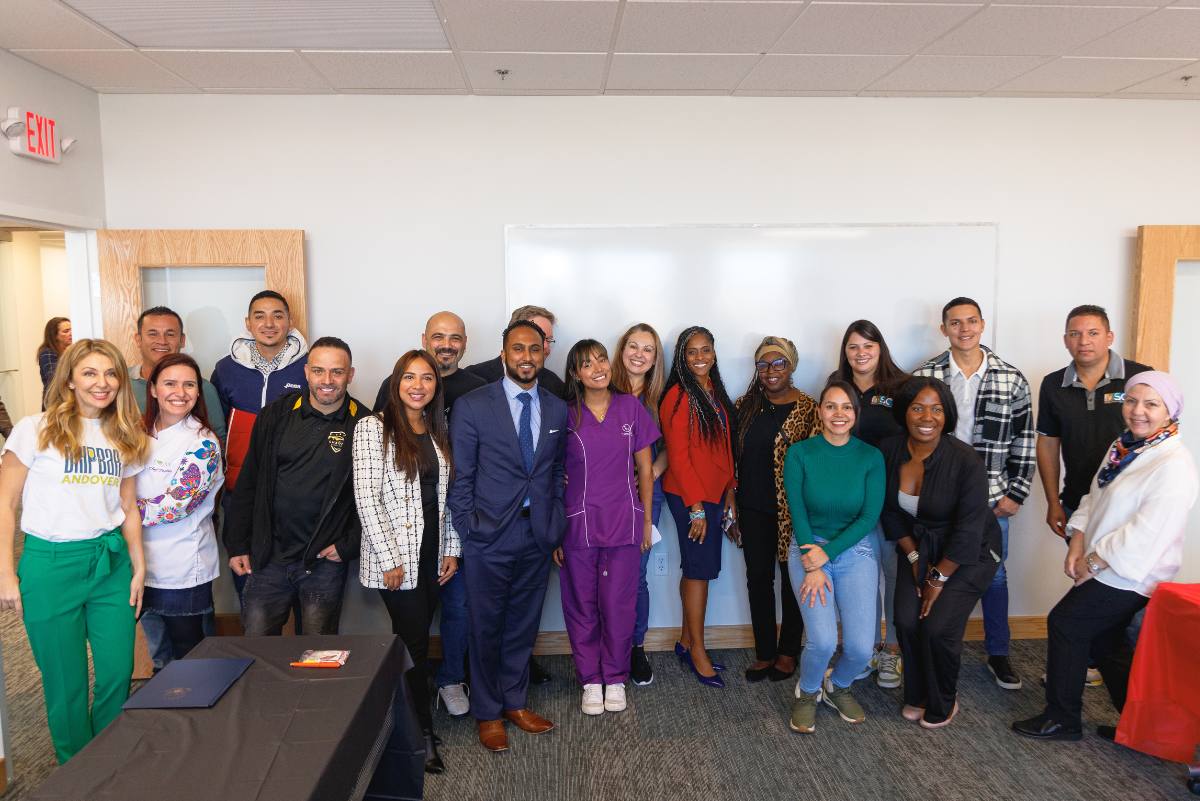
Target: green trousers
[{"x": 76, "y": 593}]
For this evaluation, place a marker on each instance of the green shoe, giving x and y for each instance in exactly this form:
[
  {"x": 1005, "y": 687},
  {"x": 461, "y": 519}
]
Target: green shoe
[
  {"x": 804, "y": 712},
  {"x": 841, "y": 699}
]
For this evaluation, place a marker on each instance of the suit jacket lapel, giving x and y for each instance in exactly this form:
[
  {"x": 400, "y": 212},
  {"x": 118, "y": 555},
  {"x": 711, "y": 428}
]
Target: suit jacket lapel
[
  {"x": 505, "y": 422},
  {"x": 544, "y": 430}
]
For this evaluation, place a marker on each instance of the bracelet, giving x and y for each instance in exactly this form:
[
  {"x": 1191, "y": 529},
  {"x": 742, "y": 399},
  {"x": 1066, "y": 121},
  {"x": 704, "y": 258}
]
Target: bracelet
[
  {"x": 693, "y": 515},
  {"x": 937, "y": 585},
  {"x": 913, "y": 556}
]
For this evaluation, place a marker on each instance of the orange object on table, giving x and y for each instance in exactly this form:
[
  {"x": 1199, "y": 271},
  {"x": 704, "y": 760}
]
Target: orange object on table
[{"x": 1162, "y": 711}]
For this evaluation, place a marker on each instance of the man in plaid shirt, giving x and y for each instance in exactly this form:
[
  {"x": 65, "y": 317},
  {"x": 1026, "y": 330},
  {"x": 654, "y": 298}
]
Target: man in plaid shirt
[{"x": 995, "y": 414}]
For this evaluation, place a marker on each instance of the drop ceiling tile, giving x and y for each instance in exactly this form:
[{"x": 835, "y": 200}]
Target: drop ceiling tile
[
  {"x": 404, "y": 71},
  {"x": 241, "y": 69},
  {"x": 782, "y": 73},
  {"x": 666, "y": 71},
  {"x": 1031, "y": 30},
  {"x": 1092, "y": 75},
  {"x": 1172, "y": 82},
  {"x": 956, "y": 73},
  {"x": 1167, "y": 33},
  {"x": 1155, "y": 96},
  {"x": 1147, "y": 3},
  {"x": 875, "y": 28},
  {"x": 552, "y": 72},
  {"x": 668, "y": 92},
  {"x": 547, "y": 26},
  {"x": 271, "y": 24},
  {"x": 703, "y": 27},
  {"x": 47, "y": 24},
  {"x": 112, "y": 69},
  {"x": 1187, "y": 3},
  {"x": 769, "y": 93}
]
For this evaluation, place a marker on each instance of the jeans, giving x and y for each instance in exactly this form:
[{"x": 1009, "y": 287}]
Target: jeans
[
  {"x": 158, "y": 641},
  {"x": 884, "y": 608},
  {"x": 641, "y": 616},
  {"x": 854, "y": 574},
  {"x": 995, "y": 602},
  {"x": 272, "y": 590},
  {"x": 453, "y": 630}
]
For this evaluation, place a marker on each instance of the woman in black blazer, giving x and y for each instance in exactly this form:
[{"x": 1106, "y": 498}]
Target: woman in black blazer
[{"x": 948, "y": 543}]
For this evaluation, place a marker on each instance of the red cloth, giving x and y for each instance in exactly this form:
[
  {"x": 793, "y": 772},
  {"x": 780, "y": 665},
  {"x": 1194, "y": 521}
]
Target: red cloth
[
  {"x": 1162, "y": 712},
  {"x": 696, "y": 470}
]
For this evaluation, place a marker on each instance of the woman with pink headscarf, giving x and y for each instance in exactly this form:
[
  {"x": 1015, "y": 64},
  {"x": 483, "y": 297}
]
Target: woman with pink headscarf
[{"x": 1125, "y": 538}]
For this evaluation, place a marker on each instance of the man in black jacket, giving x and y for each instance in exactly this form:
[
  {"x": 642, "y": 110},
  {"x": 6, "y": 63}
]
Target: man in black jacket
[
  {"x": 493, "y": 369},
  {"x": 292, "y": 525}
]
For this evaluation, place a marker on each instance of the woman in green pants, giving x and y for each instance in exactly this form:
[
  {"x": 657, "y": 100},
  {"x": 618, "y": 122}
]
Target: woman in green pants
[{"x": 80, "y": 578}]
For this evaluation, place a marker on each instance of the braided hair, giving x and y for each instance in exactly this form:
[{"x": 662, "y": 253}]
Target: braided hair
[{"x": 702, "y": 411}]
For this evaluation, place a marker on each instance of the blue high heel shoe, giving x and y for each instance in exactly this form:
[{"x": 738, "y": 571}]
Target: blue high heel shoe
[
  {"x": 685, "y": 657},
  {"x": 714, "y": 680}
]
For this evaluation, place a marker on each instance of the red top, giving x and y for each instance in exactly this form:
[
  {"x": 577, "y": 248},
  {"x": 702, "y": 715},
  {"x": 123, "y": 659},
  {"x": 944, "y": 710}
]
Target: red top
[{"x": 697, "y": 470}]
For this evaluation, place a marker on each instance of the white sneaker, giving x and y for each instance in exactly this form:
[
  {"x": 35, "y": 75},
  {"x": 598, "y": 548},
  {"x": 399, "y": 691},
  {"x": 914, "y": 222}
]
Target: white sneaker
[
  {"x": 1094, "y": 679},
  {"x": 593, "y": 699},
  {"x": 887, "y": 674},
  {"x": 614, "y": 697},
  {"x": 454, "y": 696}
]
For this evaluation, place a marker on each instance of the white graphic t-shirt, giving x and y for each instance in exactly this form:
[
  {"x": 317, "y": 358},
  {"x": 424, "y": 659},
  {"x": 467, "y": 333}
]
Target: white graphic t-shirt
[{"x": 66, "y": 500}]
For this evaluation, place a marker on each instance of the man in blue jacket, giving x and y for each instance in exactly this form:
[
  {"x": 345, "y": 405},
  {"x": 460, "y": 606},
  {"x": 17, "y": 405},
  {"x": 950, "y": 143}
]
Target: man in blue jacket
[{"x": 508, "y": 440}]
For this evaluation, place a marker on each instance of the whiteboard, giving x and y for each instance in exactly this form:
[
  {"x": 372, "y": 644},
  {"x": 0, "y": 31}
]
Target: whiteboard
[{"x": 803, "y": 282}]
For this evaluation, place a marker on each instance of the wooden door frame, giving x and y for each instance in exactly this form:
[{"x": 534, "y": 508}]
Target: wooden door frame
[
  {"x": 124, "y": 253},
  {"x": 1160, "y": 248}
]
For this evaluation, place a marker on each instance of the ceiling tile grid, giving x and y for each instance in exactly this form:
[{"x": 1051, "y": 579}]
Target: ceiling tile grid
[{"x": 1082, "y": 48}]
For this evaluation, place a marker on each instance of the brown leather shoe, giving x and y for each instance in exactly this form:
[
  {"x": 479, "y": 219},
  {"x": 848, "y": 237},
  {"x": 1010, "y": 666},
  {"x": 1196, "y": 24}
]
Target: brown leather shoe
[
  {"x": 492, "y": 735},
  {"x": 528, "y": 721}
]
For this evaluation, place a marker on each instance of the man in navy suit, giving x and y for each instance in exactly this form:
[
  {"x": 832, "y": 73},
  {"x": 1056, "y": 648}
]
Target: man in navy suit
[{"x": 508, "y": 439}]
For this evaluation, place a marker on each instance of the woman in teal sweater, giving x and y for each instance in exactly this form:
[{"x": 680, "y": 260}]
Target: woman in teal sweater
[{"x": 834, "y": 484}]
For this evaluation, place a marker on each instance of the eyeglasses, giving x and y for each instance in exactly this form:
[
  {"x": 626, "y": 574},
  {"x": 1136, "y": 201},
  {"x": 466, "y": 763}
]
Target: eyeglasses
[
  {"x": 778, "y": 365},
  {"x": 550, "y": 340}
]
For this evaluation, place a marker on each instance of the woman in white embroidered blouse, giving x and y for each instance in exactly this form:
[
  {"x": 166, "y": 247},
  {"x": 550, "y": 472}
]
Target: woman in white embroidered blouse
[
  {"x": 177, "y": 493},
  {"x": 1125, "y": 538},
  {"x": 409, "y": 547}
]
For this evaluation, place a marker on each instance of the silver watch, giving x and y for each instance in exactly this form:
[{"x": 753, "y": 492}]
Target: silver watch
[{"x": 1092, "y": 567}]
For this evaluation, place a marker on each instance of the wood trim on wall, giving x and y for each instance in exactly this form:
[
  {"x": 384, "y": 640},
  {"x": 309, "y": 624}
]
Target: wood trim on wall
[
  {"x": 1159, "y": 249},
  {"x": 124, "y": 254}
]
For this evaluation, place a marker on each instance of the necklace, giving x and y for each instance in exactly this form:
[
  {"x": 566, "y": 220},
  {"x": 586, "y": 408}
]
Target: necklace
[{"x": 602, "y": 412}]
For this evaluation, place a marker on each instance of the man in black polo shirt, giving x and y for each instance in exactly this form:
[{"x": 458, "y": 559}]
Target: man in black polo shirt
[
  {"x": 445, "y": 337},
  {"x": 1079, "y": 412},
  {"x": 293, "y": 525}
]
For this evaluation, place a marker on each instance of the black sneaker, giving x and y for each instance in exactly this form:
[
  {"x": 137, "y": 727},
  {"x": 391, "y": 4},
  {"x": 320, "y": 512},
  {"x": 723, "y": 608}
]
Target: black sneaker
[
  {"x": 1002, "y": 671},
  {"x": 639, "y": 667},
  {"x": 537, "y": 673}
]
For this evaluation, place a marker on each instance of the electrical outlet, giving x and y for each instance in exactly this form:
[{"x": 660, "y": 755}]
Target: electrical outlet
[{"x": 660, "y": 564}]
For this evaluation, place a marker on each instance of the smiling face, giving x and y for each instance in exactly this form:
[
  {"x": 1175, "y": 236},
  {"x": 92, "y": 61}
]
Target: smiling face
[
  {"x": 329, "y": 374},
  {"x": 523, "y": 355},
  {"x": 639, "y": 353},
  {"x": 1144, "y": 411},
  {"x": 836, "y": 412},
  {"x": 268, "y": 322},
  {"x": 963, "y": 326},
  {"x": 62, "y": 337},
  {"x": 159, "y": 336},
  {"x": 774, "y": 371},
  {"x": 176, "y": 388},
  {"x": 95, "y": 382},
  {"x": 594, "y": 371},
  {"x": 926, "y": 417},
  {"x": 446, "y": 338},
  {"x": 418, "y": 385},
  {"x": 863, "y": 355},
  {"x": 699, "y": 356},
  {"x": 1088, "y": 340}
]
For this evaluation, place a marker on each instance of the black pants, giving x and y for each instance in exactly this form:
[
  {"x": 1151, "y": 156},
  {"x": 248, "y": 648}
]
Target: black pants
[
  {"x": 932, "y": 648},
  {"x": 411, "y": 612},
  {"x": 184, "y": 632},
  {"x": 1088, "y": 625},
  {"x": 760, "y": 547}
]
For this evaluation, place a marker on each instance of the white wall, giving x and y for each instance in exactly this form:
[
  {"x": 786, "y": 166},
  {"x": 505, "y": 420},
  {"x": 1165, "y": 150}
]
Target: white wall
[
  {"x": 405, "y": 199},
  {"x": 70, "y": 193}
]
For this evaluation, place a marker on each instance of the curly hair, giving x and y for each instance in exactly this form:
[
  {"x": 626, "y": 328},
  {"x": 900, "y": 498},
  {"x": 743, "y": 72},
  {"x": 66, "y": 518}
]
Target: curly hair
[{"x": 702, "y": 411}]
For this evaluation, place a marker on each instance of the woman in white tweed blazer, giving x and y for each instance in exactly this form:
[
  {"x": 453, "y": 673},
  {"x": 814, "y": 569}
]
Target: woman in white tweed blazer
[{"x": 409, "y": 547}]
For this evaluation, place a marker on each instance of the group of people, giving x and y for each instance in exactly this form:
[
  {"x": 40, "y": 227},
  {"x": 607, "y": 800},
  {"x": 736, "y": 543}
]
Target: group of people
[{"x": 884, "y": 498}]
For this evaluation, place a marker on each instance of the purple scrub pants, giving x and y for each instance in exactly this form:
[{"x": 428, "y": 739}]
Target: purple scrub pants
[{"x": 599, "y": 598}]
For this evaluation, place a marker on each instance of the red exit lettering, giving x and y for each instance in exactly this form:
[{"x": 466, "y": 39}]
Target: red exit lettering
[{"x": 39, "y": 135}]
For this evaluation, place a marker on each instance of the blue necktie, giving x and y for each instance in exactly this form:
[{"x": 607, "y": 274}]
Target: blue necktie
[{"x": 525, "y": 430}]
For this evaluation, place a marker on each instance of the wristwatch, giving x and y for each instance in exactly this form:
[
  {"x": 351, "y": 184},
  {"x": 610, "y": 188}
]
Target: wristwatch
[
  {"x": 937, "y": 575},
  {"x": 1092, "y": 567}
]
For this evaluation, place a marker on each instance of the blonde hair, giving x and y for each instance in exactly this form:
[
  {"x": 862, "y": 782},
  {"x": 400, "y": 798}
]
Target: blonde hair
[
  {"x": 656, "y": 377},
  {"x": 529, "y": 312},
  {"x": 120, "y": 420}
]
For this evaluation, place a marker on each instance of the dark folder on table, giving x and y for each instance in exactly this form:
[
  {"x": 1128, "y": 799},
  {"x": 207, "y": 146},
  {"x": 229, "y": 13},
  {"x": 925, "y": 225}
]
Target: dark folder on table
[{"x": 189, "y": 684}]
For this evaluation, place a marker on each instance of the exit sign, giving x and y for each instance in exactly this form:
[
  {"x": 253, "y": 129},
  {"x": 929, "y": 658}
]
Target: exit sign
[{"x": 39, "y": 140}]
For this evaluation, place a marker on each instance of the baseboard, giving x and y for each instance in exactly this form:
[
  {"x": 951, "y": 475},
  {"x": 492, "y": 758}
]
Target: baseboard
[{"x": 1028, "y": 627}]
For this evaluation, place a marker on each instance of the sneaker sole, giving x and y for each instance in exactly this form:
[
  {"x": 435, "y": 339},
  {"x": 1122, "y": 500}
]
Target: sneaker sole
[
  {"x": 1007, "y": 685},
  {"x": 621, "y": 708},
  {"x": 887, "y": 684},
  {"x": 799, "y": 730},
  {"x": 825, "y": 700},
  {"x": 592, "y": 710},
  {"x": 645, "y": 683}
]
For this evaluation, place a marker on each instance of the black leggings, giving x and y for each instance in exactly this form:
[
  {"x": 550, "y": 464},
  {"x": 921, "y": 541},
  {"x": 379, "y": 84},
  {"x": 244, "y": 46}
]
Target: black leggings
[
  {"x": 411, "y": 612},
  {"x": 184, "y": 632}
]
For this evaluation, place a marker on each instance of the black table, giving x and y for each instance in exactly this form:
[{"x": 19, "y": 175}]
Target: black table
[{"x": 279, "y": 734}]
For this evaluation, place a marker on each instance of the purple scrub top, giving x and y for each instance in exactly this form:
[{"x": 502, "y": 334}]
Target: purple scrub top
[{"x": 602, "y": 503}]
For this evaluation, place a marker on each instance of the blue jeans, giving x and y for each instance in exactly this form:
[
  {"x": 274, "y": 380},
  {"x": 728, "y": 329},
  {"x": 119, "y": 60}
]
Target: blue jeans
[
  {"x": 995, "y": 602},
  {"x": 159, "y": 644},
  {"x": 272, "y": 589},
  {"x": 855, "y": 578},
  {"x": 453, "y": 630},
  {"x": 641, "y": 618},
  {"x": 886, "y": 551}
]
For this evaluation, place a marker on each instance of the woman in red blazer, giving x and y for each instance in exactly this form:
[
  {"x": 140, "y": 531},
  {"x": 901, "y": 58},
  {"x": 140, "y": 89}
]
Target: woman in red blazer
[{"x": 696, "y": 419}]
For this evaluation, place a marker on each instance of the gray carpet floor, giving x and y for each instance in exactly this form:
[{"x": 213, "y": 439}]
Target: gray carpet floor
[{"x": 679, "y": 739}]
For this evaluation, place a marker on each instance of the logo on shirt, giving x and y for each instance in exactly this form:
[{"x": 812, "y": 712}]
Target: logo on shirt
[
  {"x": 1114, "y": 397},
  {"x": 337, "y": 439},
  {"x": 881, "y": 400},
  {"x": 291, "y": 386},
  {"x": 627, "y": 429},
  {"x": 96, "y": 466}
]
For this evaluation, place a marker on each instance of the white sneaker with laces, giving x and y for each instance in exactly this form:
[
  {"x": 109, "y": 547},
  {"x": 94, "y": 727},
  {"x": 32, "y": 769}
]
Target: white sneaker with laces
[
  {"x": 593, "y": 699},
  {"x": 888, "y": 675},
  {"x": 614, "y": 697},
  {"x": 454, "y": 696}
]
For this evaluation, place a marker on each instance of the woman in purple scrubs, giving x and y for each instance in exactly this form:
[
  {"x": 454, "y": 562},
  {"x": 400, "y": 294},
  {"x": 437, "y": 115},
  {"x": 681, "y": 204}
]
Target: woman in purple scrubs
[{"x": 608, "y": 505}]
